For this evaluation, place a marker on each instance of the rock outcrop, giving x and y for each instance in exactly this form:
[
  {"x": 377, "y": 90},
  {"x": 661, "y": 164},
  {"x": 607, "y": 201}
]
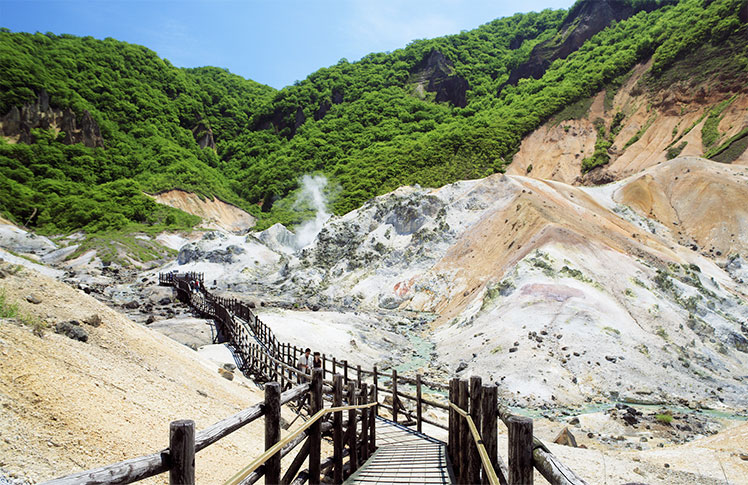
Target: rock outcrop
[
  {"x": 204, "y": 135},
  {"x": 585, "y": 19},
  {"x": 18, "y": 123},
  {"x": 435, "y": 73}
]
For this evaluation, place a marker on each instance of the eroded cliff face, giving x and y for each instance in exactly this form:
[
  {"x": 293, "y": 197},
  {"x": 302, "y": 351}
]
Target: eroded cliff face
[
  {"x": 657, "y": 125},
  {"x": 584, "y": 20},
  {"x": 435, "y": 73},
  {"x": 17, "y": 123},
  {"x": 216, "y": 214},
  {"x": 630, "y": 290}
]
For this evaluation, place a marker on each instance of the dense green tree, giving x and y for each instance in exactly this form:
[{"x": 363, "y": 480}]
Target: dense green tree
[{"x": 370, "y": 125}]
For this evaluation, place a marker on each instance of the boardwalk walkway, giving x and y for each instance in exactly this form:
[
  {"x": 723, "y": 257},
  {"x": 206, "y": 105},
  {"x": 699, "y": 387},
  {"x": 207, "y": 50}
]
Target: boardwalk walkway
[{"x": 404, "y": 456}]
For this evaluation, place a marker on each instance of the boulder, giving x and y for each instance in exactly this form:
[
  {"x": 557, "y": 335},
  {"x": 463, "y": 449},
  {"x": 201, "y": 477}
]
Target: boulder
[
  {"x": 565, "y": 437},
  {"x": 72, "y": 329},
  {"x": 226, "y": 374},
  {"x": 94, "y": 320}
]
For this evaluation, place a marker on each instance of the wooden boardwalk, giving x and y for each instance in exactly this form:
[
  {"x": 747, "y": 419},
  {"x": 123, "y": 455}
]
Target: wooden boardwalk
[{"x": 404, "y": 456}]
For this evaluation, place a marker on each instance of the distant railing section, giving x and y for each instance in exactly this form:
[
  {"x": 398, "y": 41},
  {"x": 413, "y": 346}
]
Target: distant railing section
[
  {"x": 266, "y": 356},
  {"x": 472, "y": 407}
]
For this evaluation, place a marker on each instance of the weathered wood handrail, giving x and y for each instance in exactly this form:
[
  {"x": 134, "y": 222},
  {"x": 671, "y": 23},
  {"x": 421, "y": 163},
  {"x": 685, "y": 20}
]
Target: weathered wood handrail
[
  {"x": 271, "y": 358},
  {"x": 142, "y": 467}
]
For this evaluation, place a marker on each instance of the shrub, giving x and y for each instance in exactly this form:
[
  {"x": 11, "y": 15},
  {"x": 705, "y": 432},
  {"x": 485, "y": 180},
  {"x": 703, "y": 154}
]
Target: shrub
[{"x": 664, "y": 418}]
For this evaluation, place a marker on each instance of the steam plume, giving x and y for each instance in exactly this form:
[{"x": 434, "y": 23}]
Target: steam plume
[{"x": 312, "y": 192}]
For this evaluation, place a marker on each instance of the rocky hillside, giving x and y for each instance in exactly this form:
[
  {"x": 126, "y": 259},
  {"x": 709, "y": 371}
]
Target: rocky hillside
[
  {"x": 565, "y": 294},
  {"x": 86, "y": 396},
  {"x": 87, "y": 126}
]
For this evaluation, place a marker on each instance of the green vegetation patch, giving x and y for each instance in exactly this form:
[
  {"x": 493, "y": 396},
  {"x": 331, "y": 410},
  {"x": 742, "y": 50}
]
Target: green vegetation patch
[
  {"x": 123, "y": 247},
  {"x": 733, "y": 148},
  {"x": 665, "y": 418},
  {"x": 641, "y": 132},
  {"x": 673, "y": 152},
  {"x": 710, "y": 131},
  {"x": 573, "y": 111},
  {"x": 7, "y": 309}
]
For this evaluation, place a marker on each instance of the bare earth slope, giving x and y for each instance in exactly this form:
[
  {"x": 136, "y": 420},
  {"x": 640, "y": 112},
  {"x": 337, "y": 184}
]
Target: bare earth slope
[
  {"x": 66, "y": 405},
  {"x": 703, "y": 203},
  {"x": 216, "y": 214},
  {"x": 653, "y": 123}
]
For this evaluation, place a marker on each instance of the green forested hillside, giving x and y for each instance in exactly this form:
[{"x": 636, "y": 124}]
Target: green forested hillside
[{"x": 433, "y": 112}]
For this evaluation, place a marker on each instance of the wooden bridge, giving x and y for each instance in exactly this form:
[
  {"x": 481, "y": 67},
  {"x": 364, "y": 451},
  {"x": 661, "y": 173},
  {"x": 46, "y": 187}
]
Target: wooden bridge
[{"x": 379, "y": 450}]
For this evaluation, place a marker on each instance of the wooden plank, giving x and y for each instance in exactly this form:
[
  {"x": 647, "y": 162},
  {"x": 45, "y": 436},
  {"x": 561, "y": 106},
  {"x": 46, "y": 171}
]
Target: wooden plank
[
  {"x": 364, "y": 447},
  {"x": 127, "y": 471},
  {"x": 272, "y": 430},
  {"x": 394, "y": 395},
  {"x": 298, "y": 460},
  {"x": 315, "y": 435},
  {"x": 489, "y": 430},
  {"x": 372, "y": 422},
  {"x": 419, "y": 403},
  {"x": 464, "y": 432},
  {"x": 553, "y": 470},
  {"x": 182, "y": 452},
  {"x": 337, "y": 429},
  {"x": 474, "y": 461},
  {"x": 376, "y": 391},
  {"x": 453, "y": 422},
  {"x": 520, "y": 450},
  {"x": 352, "y": 427}
]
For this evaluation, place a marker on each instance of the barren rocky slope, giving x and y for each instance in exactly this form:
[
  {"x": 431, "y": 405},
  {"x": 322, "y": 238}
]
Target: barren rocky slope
[
  {"x": 69, "y": 405},
  {"x": 216, "y": 214},
  {"x": 653, "y": 122},
  {"x": 563, "y": 294}
]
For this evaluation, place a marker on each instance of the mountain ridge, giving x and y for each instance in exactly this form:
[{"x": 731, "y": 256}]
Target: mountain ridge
[{"x": 370, "y": 126}]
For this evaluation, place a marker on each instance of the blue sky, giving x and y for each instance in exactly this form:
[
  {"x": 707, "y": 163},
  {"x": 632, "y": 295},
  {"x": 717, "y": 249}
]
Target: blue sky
[{"x": 274, "y": 42}]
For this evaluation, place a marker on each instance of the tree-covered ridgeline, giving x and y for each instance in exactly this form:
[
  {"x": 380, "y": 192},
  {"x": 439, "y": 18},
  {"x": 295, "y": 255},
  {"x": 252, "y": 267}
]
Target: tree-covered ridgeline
[{"x": 436, "y": 111}]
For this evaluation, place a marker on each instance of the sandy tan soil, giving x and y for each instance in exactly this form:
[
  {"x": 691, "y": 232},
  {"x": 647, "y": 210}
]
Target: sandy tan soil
[
  {"x": 67, "y": 406},
  {"x": 703, "y": 203},
  {"x": 555, "y": 150},
  {"x": 215, "y": 213}
]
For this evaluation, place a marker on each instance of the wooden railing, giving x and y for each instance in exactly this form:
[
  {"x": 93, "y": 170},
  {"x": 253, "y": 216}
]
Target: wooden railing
[
  {"x": 471, "y": 407},
  {"x": 179, "y": 458},
  {"x": 269, "y": 357}
]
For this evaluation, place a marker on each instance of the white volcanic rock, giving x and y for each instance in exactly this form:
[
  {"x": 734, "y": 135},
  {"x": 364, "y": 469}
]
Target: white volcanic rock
[{"x": 602, "y": 300}]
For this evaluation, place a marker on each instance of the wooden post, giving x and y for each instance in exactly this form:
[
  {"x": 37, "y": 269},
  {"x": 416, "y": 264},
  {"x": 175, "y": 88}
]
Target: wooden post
[
  {"x": 488, "y": 426},
  {"x": 358, "y": 375},
  {"x": 474, "y": 463},
  {"x": 315, "y": 435},
  {"x": 376, "y": 392},
  {"x": 334, "y": 366},
  {"x": 352, "y": 427},
  {"x": 272, "y": 430},
  {"x": 337, "y": 428},
  {"x": 345, "y": 372},
  {"x": 520, "y": 450},
  {"x": 373, "y": 421},
  {"x": 463, "y": 443},
  {"x": 364, "y": 424},
  {"x": 418, "y": 403},
  {"x": 453, "y": 423},
  {"x": 394, "y": 395},
  {"x": 324, "y": 366},
  {"x": 182, "y": 452}
]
